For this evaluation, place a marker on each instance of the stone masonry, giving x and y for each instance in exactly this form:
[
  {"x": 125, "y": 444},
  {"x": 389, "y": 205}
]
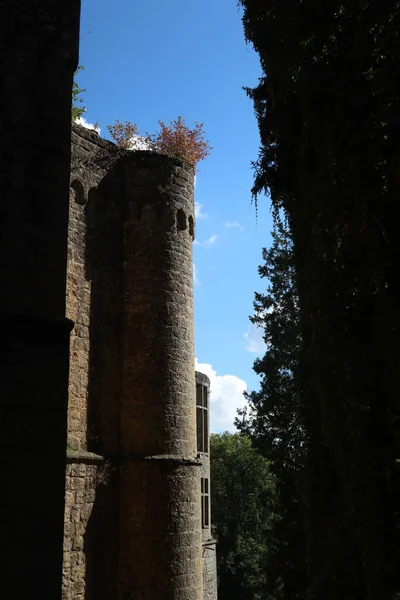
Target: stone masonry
[
  {"x": 159, "y": 472},
  {"x": 120, "y": 479},
  {"x": 39, "y": 54},
  {"x": 133, "y": 525},
  {"x": 81, "y": 483}
]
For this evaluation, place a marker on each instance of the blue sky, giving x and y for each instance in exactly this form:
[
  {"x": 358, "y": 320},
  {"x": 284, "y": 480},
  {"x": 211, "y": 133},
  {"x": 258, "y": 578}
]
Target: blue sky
[{"x": 157, "y": 59}]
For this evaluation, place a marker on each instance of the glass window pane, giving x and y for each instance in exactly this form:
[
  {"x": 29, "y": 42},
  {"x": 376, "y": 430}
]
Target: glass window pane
[
  {"x": 199, "y": 426},
  {"x": 205, "y": 430},
  {"x": 206, "y": 511},
  {"x": 199, "y": 396},
  {"x": 205, "y": 397}
]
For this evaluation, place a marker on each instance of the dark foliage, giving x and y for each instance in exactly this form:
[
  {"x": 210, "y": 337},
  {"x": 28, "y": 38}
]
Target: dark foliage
[
  {"x": 273, "y": 419},
  {"x": 328, "y": 109}
]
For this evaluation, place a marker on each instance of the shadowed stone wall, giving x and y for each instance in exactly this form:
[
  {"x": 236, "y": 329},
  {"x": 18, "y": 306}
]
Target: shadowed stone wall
[
  {"x": 210, "y": 580},
  {"x": 80, "y": 493},
  {"x": 39, "y": 50},
  {"x": 160, "y": 529},
  {"x": 94, "y": 292},
  {"x": 94, "y": 302},
  {"x": 132, "y": 381}
]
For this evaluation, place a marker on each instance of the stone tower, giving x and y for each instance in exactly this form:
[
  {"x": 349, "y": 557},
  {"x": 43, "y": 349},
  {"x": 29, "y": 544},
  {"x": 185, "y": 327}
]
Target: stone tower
[
  {"x": 160, "y": 532},
  {"x": 203, "y": 448},
  {"x": 132, "y": 399},
  {"x": 39, "y": 49}
]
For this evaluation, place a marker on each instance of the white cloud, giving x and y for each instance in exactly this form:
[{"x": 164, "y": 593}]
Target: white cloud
[
  {"x": 254, "y": 340},
  {"x": 195, "y": 278},
  {"x": 198, "y": 211},
  {"x": 232, "y": 224},
  {"x": 211, "y": 240},
  {"x": 225, "y": 398},
  {"x": 82, "y": 121},
  {"x": 140, "y": 143}
]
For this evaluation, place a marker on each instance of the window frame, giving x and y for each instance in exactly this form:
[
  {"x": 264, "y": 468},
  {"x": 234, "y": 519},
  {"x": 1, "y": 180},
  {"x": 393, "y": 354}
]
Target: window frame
[
  {"x": 205, "y": 502},
  {"x": 202, "y": 418}
]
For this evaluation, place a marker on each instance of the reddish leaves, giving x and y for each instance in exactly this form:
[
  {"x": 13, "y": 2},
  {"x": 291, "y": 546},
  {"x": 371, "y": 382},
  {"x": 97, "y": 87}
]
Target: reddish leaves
[
  {"x": 182, "y": 142},
  {"x": 176, "y": 139}
]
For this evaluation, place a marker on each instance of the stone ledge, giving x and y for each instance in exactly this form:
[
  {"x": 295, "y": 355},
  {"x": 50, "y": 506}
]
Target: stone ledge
[
  {"x": 209, "y": 543},
  {"x": 91, "y": 457},
  {"x": 183, "y": 460},
  {"x": 81, "y": 456}
]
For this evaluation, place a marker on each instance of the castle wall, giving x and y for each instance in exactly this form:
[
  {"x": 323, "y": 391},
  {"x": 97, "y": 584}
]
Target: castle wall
[
  {"x": 94, "y": 292},
  {"x": 39, "y": 49},
  {"x": 159, "y": 474},
  {"x": 80, "y": 493},
  {"x": 132, "y": 383},
  {"x": 210, "y": 581},
  {"x": 78, "y": 310}
]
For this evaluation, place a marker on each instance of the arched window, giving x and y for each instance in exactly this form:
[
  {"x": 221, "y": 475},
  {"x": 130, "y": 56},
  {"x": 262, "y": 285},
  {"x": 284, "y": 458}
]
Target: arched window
[{"x": 77, "y": 191}]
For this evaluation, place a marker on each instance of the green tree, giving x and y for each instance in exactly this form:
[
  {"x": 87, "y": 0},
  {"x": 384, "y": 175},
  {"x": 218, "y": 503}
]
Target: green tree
[
  {"x": 273, "y": 420},
  {"x": 77, "y": 102},
  {"x": 328, "y": 110},
  {"x": 242, "y": 501}
]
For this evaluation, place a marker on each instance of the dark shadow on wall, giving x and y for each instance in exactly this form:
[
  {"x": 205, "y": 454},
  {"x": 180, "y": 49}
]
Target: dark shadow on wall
[
  {"x": 104, "y": 268},
  {"x": 100, "y": 540}
]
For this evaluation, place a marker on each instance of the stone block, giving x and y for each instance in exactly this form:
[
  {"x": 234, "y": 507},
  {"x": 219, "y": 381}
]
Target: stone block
[{"x": 78, "y": 542}]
